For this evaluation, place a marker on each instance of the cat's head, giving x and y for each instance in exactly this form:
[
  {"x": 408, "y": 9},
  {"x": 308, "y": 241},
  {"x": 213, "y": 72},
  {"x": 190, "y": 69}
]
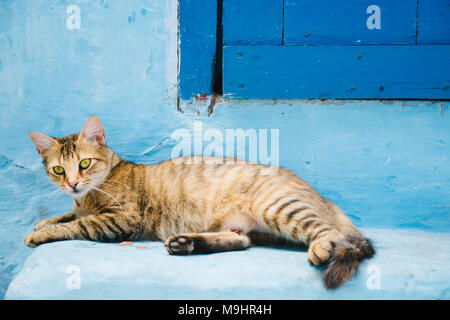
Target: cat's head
[{"x": 76, "y": 163}]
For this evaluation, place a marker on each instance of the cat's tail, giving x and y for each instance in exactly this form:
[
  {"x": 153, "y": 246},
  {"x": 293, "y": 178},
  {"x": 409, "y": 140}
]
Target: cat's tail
[{"x": 345, "y": 259}]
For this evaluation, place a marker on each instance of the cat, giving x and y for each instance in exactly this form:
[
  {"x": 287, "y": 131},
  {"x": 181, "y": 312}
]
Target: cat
[{"x": 195, "y": 204}]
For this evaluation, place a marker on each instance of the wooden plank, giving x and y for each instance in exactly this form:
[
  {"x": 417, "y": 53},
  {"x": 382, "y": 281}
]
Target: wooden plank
[
  {"x": 252, "y": 22},
  {"x": 197, "y": 20},
  {"x": 434, "y": 22},
  {"x": 412, "y": 72},
  {"x": 348, "y": 22}
]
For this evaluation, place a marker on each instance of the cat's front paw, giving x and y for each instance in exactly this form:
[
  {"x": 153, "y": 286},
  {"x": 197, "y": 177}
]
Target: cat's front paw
[
  {"x": 35, "y": 239},
  {"x": 180, "y": 244}
]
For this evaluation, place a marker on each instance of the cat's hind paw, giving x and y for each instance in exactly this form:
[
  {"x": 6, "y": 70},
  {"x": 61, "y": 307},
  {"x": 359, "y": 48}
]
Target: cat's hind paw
[
  {"x": 180, "y": 244},
  {"x": 35, "y": 239},
  {"x": 319, "y": 252}
]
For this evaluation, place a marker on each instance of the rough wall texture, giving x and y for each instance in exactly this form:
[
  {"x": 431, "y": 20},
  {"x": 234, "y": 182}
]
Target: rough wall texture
[{"x": 120, "y": 64}]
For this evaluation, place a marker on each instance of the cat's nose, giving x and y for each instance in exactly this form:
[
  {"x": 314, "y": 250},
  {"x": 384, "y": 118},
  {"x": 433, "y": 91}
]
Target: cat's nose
[{"x": 73, "y": 184}]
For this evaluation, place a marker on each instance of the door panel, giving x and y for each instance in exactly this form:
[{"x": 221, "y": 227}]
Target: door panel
[
  {"x": 337, "y": 72},
  {"x": 252, "y": 22},
  {"x": 434, "y": 22},
  {"x": 359, "y": 22}
]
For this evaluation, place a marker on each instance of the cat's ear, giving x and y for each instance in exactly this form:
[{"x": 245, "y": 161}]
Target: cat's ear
[
  {"x": 42, "y": 142},
  {"x": 93, "y": 131}
]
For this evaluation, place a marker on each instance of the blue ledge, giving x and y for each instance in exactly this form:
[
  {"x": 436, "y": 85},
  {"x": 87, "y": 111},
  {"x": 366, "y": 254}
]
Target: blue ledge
[{"x": 410, "y": 265}]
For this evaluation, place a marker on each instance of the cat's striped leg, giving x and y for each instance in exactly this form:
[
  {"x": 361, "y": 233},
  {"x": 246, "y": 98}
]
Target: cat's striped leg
[
  {"x": 208, "y": 242},
  {"x": 297, "y": 220},
  {"x": 60, "y": 219},
  {"x": 108, "y": 227}
]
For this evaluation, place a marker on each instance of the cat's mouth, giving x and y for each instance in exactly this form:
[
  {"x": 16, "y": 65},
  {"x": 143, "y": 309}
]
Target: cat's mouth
[{"x": 77, "y": 193}]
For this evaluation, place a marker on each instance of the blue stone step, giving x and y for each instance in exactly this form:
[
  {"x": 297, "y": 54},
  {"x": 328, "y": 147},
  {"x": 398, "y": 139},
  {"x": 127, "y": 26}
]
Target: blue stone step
[{"x": 409, "y": 264}]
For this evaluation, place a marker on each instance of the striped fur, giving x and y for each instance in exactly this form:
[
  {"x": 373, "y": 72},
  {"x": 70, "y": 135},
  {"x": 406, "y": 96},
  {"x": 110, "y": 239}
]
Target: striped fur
[{"x": 194, "y": 204}]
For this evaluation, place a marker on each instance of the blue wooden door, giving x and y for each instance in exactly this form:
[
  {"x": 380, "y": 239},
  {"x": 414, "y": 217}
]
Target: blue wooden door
[{"x": 336, "y": 49}]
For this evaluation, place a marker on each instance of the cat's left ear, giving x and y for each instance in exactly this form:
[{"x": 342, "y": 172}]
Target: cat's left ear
[{"x": 93, "y": 131}]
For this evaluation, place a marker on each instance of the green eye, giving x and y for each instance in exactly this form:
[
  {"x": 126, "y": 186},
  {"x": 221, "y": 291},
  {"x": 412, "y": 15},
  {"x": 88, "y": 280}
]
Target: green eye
[
  {"x": 58, "y": 170},
  {"x": 84, "y": 164}
]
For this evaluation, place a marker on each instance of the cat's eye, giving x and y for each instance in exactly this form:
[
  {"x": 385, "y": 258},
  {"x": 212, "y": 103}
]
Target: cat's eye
[
  {"x": 84, "y": 164},
  {"x": 58, "y": 170}
]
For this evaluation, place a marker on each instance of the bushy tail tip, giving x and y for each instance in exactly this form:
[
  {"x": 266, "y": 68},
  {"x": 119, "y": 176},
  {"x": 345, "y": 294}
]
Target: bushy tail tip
[{"x": 345, "y": 260}]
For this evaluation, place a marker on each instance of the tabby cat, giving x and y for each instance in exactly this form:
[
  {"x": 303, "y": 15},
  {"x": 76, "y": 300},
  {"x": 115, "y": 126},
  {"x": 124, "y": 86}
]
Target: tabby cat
[{"x": 194, "y": 204}]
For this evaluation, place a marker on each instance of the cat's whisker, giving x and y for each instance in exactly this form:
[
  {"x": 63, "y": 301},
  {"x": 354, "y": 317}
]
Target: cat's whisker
[
  {"x": 111, "y": 186},
  {"x": 111, "y": 196},
  {"x": 93, "y": 195}
]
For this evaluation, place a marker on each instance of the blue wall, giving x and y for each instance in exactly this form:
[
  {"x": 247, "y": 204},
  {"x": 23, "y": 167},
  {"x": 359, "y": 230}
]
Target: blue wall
[
  {"x": 387, "y": 164},
  {"x": 121, "y": 65}
]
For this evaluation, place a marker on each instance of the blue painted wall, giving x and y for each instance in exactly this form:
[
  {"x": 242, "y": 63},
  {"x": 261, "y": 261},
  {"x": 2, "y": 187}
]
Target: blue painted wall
[
  {"x": 121, "y": 64},
  {"x": 387, "y": 164}
]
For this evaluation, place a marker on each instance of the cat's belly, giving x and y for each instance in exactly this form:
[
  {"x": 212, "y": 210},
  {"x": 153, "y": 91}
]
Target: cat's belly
[
  {"x": 149, "y": 236},
  {"x": 238, "y": 222}
]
